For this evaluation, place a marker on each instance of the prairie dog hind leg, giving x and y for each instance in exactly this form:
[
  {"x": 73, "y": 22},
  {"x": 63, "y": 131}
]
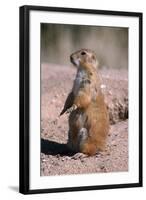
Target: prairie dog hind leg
[{"x": 75, "y": 144}]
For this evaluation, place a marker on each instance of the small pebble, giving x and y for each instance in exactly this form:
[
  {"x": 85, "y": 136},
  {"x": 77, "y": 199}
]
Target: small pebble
[
  {"x": 53, "y": 100},
  {"x": 110, "y": 92}
]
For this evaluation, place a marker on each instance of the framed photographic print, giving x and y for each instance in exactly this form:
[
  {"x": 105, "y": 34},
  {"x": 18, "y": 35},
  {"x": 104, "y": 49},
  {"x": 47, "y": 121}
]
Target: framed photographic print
[{"x": 80, "y": 99}]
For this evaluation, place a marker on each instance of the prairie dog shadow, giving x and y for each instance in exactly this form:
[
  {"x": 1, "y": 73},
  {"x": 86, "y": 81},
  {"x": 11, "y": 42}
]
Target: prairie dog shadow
[{"x": 53, "y": 148}]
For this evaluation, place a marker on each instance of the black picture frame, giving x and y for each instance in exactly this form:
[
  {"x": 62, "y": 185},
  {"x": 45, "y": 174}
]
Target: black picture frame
[{"x": 25, "y": 105}]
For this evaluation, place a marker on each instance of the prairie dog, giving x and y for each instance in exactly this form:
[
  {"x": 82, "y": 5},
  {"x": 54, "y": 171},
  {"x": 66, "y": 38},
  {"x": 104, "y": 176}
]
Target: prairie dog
[{"x": 88, "y": 119}]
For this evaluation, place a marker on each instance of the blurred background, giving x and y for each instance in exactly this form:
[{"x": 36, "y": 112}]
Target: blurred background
[{"x": 110, "y": 44}]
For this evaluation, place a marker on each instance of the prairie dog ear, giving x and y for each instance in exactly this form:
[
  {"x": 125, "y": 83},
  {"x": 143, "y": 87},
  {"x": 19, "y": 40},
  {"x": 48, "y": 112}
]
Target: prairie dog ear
[{"x": 95, "y": 61}]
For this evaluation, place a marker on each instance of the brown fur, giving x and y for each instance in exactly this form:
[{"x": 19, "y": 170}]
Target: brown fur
[{"x": 88, "y": 120}]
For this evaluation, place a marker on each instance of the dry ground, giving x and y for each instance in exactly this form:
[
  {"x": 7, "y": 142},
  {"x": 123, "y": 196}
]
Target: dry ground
[{"x": 56, "y": 82}]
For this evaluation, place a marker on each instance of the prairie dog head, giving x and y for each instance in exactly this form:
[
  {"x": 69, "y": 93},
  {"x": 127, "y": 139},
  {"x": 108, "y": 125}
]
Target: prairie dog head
[{"x": 84, "y": 58}]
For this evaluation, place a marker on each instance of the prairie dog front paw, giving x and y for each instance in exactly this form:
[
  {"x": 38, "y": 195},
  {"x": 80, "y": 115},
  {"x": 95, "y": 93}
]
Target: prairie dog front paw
[{"x": 74, "y": 107}]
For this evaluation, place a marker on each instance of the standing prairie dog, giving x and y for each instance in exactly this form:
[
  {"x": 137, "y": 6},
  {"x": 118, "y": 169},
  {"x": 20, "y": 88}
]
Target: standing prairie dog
[{"x": 88, "y": 119}]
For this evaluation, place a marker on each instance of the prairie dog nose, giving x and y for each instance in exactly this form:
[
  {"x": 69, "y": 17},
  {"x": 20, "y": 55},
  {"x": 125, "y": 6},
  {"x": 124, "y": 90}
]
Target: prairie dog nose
[
  {"x": 74, "y": 60},
  {"x": 71, "y": 58}
]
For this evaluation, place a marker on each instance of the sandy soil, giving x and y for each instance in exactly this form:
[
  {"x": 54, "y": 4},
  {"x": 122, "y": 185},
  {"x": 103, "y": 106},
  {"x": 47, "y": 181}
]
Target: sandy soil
[{"x": 56, "y": 82}]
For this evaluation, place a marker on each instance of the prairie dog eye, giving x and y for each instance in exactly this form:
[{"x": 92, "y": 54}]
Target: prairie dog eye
[{"x": 83, "y": 53}]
